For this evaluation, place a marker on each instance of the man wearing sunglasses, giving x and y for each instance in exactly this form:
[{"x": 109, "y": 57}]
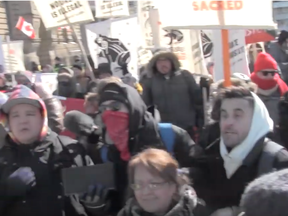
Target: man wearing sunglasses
[{"x": 270, "y": 86}]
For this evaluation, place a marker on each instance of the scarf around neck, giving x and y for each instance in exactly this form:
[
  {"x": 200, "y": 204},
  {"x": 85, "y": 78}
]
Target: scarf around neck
[{"x": 261, "y": 124}]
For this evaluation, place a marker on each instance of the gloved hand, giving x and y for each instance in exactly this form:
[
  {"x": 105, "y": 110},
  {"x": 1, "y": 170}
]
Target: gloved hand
[
  {"x": 20, "y": 182},
  {"x": 95, "y": 199}
]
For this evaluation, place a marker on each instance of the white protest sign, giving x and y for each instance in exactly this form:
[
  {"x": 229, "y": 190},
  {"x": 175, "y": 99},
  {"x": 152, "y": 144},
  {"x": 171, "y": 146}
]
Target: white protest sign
[
  {"x": 116, "y": 45},
  {"x": 216, "y": 14},
  {"x": 55, "y": 13},
  {"x": 48, "y": 79},
  {"x": 111, "y": 8},
  {"x": 238, "y": 55},
  {"x": 144, "y": 21},
  {"x": 13, "y": 56}
]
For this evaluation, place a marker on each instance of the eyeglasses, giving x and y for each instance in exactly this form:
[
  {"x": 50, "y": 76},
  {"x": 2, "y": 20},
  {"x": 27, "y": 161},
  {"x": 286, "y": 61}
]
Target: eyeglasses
[
  {"x": 114, "y": 106},
  {"x": 266, "y": 73},
  {"x": 151, "y": 186}
]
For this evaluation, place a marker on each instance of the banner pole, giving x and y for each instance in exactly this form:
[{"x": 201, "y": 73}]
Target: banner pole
[
  {"x": 226, "y": 57},
  {"x": 79, "y": 42}
]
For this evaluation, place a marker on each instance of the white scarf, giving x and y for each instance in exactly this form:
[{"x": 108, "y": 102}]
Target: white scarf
[{"x": 261, "y": 124}]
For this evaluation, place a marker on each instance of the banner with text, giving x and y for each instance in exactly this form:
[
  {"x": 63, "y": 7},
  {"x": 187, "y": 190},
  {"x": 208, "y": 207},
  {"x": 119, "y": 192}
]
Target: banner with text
[
  {"x": 238, "y": 55},
  {"x": 55, "y": 13},
  {"x": 111, "y": 8},
  {"x": 216, "y": 14}
]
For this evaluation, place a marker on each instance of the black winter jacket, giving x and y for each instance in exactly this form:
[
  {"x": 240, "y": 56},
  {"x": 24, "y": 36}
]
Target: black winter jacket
[
  {"x": 46, "y": 159},
  {"x": 143, "y": 133},
  {"x": 218, "y": 191}
]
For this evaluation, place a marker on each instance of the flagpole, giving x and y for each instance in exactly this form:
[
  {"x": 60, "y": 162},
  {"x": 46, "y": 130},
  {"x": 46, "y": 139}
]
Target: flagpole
[{"x": 79, "y": 42}]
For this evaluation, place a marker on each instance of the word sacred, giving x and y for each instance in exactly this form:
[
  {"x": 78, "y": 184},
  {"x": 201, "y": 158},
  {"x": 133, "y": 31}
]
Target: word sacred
[{"x": 217, "y": 5}]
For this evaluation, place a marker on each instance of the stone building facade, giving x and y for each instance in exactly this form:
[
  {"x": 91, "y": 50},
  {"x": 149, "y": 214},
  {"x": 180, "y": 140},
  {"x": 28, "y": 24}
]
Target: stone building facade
[{"x": 46, "y": 45}]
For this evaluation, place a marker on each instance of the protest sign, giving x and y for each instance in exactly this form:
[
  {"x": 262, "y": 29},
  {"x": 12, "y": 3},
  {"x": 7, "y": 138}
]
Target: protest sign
[
  {"x": 115, "y": 44},
  {"x": 111, "y": 8},
  {"x": 143, "y": 8},
  {"x": 55, "y": 13},
  {"x": 13, "y": 56},
  {"x": 237, "y": 49},
  {"x": 48, "y": 79},
  {"x": 216, "y": 14}
]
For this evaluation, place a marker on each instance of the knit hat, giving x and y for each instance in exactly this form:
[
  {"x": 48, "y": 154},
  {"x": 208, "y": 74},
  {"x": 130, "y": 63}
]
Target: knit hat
[
  {"x": 66, "y": 70},
  {"x": 265, "y": 62},
  {"x": 78, "y": 66},
  {"x": 104, "y": 68},
  {"x": 114, "y": 92}
]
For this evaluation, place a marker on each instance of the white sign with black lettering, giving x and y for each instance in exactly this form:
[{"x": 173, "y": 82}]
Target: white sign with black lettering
[
  {"x": 111, "y": 8},
  {"x": 55, "y": 13},
  {"x": 238, "y": 56},
  {"x": 13, "y": 56}
]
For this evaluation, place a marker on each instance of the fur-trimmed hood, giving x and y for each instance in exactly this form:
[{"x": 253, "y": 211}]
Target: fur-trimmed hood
[{"x": 151, "y": 66}]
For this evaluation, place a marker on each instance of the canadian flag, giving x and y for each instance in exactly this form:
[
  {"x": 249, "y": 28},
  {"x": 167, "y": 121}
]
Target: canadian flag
[{"x": 25, "y": 27}]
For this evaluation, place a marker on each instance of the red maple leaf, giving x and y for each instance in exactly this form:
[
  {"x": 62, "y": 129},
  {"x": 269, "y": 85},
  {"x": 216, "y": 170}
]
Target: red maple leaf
[
  {"x": 11, "y": 52},
  {"x": 28, "y": 28}
]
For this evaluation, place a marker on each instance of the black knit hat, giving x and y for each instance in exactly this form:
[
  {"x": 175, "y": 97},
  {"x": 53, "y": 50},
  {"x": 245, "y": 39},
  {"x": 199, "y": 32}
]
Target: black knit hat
[
  {"x": 282, "y": 37},
  {"x": 104, "y": 68},
  {"x": 113, "y": 91}
]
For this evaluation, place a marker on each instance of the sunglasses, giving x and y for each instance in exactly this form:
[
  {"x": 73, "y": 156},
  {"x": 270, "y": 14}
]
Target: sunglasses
[{"x": 266, "y": 73}]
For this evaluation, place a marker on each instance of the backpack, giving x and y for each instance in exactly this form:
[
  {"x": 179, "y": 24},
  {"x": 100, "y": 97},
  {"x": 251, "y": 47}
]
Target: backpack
[
  {"x": 167, "y": 135},
  {"x": 266, "y": 162}
]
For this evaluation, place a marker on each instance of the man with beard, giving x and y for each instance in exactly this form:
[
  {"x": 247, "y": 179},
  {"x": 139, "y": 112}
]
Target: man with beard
[{"x": 174, "y": 92}]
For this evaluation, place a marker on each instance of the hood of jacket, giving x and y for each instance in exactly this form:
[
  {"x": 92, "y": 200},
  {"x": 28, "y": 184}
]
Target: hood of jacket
[
  {"x": 23, "y": 95},
  {"x": 69, "y": 89},
  {"x": 184, "y": 207},
  {"x": 131, "y": 98},
  {"x": 151, "y": 66},
  {"x": 265, "y": 61}
]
